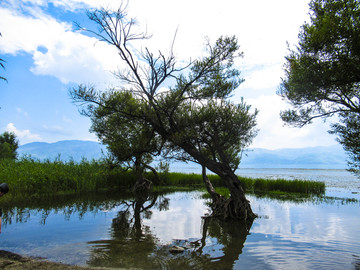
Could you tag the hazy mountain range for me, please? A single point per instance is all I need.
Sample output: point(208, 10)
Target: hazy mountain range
point(332, 157)
point(65, 150)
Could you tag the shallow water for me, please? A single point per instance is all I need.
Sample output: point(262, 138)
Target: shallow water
point(332, 178)
point(115, 231)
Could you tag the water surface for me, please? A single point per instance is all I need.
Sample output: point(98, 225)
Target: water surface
point(117, 231)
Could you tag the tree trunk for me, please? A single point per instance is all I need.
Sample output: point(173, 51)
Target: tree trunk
point(217, 199)
point(156, 176)
point(237, 206)
point(142, 186)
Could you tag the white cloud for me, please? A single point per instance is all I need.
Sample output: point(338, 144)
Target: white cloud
point(263, 77)
point(262, 28)
point(274, 134)
point(24, 136)
point(56, 49)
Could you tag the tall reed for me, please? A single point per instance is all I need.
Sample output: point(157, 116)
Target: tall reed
point(249, 184)
point(29, 176)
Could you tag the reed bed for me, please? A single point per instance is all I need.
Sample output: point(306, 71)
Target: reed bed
point(249, 184)
point(28, 176)
point(296, 186)
point(32, 177)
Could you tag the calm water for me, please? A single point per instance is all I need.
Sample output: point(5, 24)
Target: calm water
point(116, 231)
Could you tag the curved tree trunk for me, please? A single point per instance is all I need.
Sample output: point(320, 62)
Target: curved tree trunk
point(156, 175)
point(142, 186)
point(217, 199)
point(237, 206)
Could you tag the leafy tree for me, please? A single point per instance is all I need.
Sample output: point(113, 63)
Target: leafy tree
point(2, 65)
point(194, 118)
point(323, 73)
point(349, 136)
point(8, 145)
point(132, 144)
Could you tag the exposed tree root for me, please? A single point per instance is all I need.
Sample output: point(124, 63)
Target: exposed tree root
point(142, 187)
point(232, 208)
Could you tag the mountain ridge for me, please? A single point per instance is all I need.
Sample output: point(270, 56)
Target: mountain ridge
point(65, 150)
point(321, 157)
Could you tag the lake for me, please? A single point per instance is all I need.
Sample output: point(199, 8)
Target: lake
point(114, 230)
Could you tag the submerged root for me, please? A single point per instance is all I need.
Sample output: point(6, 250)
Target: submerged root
point(232, 209)
point(142, 188)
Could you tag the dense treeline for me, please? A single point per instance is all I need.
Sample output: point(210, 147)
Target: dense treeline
point(27, 177)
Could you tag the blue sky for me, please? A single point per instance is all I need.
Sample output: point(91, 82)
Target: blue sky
point(46, 55)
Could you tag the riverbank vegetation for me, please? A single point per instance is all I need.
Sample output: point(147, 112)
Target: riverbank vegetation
point(31, 177)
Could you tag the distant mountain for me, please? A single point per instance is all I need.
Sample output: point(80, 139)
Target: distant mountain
point(65, 150)
point(332, 157)
point(329, 157)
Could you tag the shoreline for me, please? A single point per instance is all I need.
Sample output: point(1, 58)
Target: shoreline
point(13, 261)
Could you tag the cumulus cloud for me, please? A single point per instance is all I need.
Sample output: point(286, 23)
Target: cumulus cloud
point(262, 28)
point(57, 49)
point(262, 77)
point(274, 134)
point(24, 136)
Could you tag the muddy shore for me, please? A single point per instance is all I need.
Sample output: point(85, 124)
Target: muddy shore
point(12, 261)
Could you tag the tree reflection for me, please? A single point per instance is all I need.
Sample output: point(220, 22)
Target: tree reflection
point(133, 245)
point(21, 210)
point(228, 238)
point(131, 242)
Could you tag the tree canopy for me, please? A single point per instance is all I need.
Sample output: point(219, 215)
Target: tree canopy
point(323, 72)
point(8, 145)
point(192, 120)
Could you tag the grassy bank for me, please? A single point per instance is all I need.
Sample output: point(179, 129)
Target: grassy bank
point(251, 184)
point(31, 177)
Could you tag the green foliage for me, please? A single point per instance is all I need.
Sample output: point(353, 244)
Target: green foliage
point(8, 145)
point(29, 177)
point(297, 186)
point(349, 136)
point(323, 73)
point(32, 177)
point(249, 184)
point(192, 120)
point(129, 142)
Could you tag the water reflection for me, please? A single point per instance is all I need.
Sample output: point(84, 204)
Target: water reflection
point(20, 211)
point(133, 245)
point(130, 242)
point(119, 231)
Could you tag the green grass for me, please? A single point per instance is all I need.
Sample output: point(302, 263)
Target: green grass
point(295, 186)
point(31, 177)
point(184, 179)
point(250, 184)
point(28, 177)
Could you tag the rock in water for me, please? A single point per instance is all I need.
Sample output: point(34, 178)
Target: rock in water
point(176, 249)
